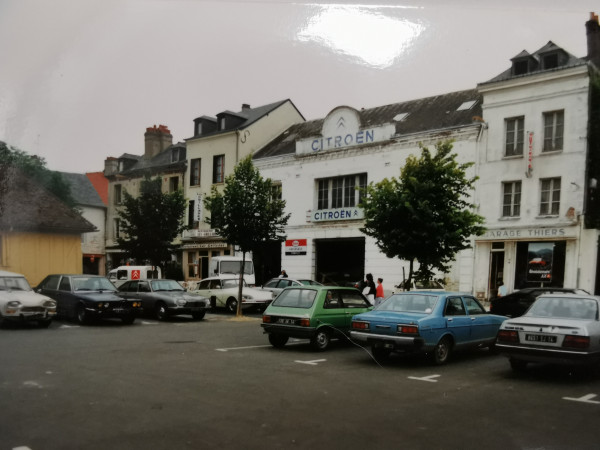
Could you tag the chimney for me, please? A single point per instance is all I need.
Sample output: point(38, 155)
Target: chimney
point(156, 139)
point(111, 166)
point(245, 106)
point(592, 31)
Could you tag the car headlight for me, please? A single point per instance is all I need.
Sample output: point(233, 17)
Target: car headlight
point(13, 307)
point(49, 304)
point(180, 302)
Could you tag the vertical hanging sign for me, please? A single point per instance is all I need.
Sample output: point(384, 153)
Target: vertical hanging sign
point(530, 154)
point(198, 209)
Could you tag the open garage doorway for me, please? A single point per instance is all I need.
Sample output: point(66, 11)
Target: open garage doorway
point(340, 261)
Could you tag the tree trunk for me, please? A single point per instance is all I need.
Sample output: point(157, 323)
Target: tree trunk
point(408, 284)
point(238, 313)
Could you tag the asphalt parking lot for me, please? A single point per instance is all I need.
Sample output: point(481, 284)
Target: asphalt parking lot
point(217, 383)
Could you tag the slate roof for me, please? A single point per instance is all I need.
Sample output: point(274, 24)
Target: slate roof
point(250, 115)
point(427, 114)
point(161, 162)
point(83, 191)
point(572, 61)
point(26, 206)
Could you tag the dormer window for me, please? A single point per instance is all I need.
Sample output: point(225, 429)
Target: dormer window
point(222, 123)
point(176, 154)
point(520, 67)
point(198, 128)
point(550, 61)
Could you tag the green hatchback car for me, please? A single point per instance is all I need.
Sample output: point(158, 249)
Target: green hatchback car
point(318, 313)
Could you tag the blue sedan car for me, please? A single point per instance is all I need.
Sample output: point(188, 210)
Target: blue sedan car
point(436, 323)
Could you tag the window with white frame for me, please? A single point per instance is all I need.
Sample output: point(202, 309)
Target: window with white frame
point(515, 132)
point(118, 192)
point(553, 130)
point(340, 192)
point(218, 168)
point(511, 199)
point(117, 228)
point(195, 165)
point(550, 196)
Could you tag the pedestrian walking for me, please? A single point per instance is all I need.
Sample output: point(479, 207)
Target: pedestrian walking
point(370, 290)
point(283, 274)
point(379, 295)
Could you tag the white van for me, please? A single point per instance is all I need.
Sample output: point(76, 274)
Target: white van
point(122, 274)
point(225, 266)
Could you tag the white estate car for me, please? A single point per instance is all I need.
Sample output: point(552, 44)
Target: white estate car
point(18, 302)
point(224, 292)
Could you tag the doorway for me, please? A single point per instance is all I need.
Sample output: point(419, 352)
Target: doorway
point(340, 262)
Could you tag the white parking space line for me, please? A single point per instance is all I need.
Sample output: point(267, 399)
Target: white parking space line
point(585, 399)
point(240, 348)
point(69, 326)
point(314, 362)
point(429, 378)
point(143, 322)
point(21, 448)
point(254, 346)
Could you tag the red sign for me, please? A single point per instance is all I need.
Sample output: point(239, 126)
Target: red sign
point(295, 247)
point(135, 274)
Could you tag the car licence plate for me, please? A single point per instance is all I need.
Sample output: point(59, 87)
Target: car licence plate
point(540, 338)
point(286, 321)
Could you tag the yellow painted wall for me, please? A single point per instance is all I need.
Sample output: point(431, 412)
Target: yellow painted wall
point(36, 255)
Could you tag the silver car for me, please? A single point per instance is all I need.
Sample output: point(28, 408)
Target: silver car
point(18, 302)
point(276, 285)
point(557, 329)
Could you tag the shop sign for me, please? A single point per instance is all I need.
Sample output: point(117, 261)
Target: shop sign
point(539, 261)
point(323, 215)
point(205, 245)
point(341, 129)
point(529, 233)
point(295, 247)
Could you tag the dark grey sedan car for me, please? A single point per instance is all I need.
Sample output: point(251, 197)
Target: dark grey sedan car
point(88, 297)
point(164, 298)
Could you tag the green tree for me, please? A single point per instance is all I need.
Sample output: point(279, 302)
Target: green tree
point(425, 215)
point(35, 167)
point(150, 222)
point(246, 214)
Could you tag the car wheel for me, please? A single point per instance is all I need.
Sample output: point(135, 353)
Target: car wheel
point(82, 315)
point(278, 340)
point(442, 351)
point(321, 340)
point(518, 365)
point(44, 323)
point(380, 353)
point(128, 320)
point(232, 305)
point(161, 311)
point(198, 315)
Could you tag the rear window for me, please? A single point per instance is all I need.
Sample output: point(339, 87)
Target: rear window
point(296, 298)
point(566, 308)
point(409, 303)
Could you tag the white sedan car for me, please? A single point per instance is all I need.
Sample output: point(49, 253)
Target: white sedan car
point(276, 285)
point(557, 329)
point(223, 292)
point(19, 303)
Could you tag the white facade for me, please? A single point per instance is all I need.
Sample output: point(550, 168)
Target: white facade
point(375, 151)
point(532, 97)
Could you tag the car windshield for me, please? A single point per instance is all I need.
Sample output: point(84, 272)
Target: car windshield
point(14, 284)
point(166, 285)
point(232, 283)
point(296, 298)
point(564, 307)
point(92, 284)
point(418, 303)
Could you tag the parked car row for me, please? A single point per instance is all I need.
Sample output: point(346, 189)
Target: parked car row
point(559, 328)
point(85, 298)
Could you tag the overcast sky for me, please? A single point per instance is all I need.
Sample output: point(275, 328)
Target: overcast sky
point(80, 80)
